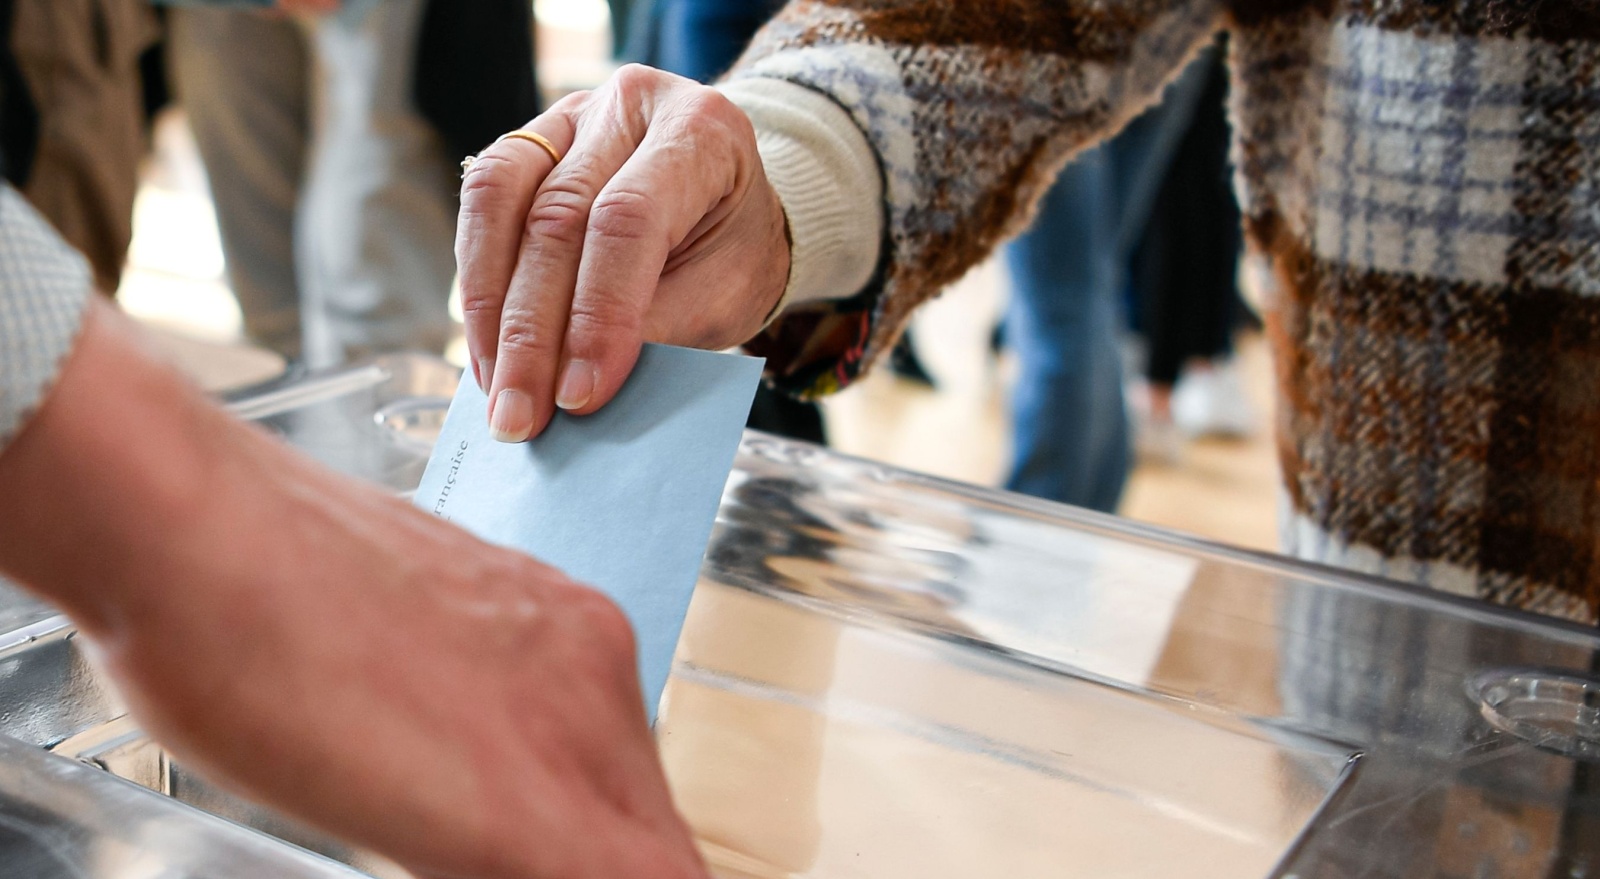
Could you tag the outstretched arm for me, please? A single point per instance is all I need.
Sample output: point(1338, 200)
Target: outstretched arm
point(970, 108)
point(315, 643)
point(861, 157)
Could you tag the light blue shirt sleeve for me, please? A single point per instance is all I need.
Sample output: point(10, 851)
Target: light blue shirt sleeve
point(45, 289)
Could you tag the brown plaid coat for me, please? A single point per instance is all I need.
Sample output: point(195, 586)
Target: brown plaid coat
point(1422, 174)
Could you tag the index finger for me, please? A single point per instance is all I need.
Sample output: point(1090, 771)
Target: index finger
point(497, 191)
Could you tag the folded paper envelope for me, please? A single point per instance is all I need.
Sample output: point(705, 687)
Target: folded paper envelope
point(622, 500)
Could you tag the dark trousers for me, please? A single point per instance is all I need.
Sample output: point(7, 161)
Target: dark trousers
point(1185, 267)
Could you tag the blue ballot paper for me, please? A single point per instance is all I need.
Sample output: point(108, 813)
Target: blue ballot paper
point(622, 500)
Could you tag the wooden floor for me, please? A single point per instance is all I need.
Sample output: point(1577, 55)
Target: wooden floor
point(1225, 489)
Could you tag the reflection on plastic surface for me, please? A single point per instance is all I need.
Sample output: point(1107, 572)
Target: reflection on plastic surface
point(890, 756)
point(1558, 712)
point(369, 421)
point(18, 611)
point(48, 691)
point(60, 818)
point(886, 675)
point(1145, 703)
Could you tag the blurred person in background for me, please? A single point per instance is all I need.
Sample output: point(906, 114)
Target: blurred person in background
point(73, 118)
point(1065, 319)
point(331, 132)
point(1184, 292)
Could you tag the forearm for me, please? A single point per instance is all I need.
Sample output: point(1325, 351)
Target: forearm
point(110, 478)
point(224, 577)
point(137, 503)
point(970, 109)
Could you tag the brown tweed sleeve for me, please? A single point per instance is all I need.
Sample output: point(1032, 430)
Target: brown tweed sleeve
point(971, 106)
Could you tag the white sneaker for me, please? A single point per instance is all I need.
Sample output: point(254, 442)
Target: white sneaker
point(1212, 402)
point(1159, 442)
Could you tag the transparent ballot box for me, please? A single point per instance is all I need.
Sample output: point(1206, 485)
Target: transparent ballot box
point(885, 675)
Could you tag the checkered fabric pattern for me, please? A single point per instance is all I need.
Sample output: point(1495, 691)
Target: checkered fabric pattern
point(1421, 173)
point(44, 288)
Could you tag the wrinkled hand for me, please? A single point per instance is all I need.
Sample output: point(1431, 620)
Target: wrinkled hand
point(657, 225)
point(328, 649)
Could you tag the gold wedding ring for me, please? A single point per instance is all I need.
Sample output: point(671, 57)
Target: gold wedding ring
point(523, 134)
point(535, 137)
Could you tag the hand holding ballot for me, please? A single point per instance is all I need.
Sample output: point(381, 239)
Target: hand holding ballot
point(658, 225)
point(325, 647)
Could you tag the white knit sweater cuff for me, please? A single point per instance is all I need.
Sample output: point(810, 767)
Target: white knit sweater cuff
point(826, 176)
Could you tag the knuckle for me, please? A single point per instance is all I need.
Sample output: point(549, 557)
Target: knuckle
point(737, 123)
point(625, 214)
point(626, 91)
point(713, 126)
point(521, 334)
point(635, 93)
point(523, 569)
point(558, 216)
point(634, 80)
point(489, 178)
point(707, 103)
point(607, 625)
point(479, 304)
point(603, 313)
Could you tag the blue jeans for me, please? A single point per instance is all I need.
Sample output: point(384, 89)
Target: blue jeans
point(1064, 320)
point(699, 39)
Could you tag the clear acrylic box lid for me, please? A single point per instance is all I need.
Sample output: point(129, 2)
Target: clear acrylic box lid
point(887, 675)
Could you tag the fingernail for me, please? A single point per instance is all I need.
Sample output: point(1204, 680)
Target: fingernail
point(512, 420)
point(577, 385)
point(485, 373)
